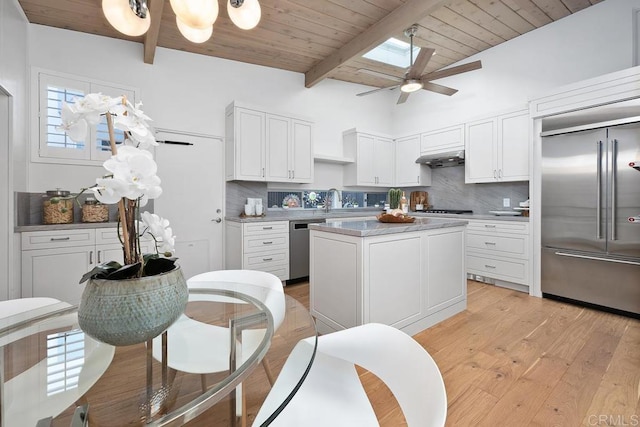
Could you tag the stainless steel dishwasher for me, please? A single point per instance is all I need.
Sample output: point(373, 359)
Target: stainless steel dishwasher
point(299, 247)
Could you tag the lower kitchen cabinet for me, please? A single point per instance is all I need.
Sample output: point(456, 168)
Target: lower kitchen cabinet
point(54, 261)
point(407, 280)
point(499, 250)
point(262, 246)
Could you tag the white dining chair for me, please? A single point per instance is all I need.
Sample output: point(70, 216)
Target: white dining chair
point(13, 307)
point(332, 394)
point(200, 348)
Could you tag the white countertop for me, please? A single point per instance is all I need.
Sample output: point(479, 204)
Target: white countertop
point(376, 228)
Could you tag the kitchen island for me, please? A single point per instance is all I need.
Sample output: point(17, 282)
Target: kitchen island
point(408, 275)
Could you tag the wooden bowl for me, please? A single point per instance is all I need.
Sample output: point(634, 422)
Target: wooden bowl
point(384, 217)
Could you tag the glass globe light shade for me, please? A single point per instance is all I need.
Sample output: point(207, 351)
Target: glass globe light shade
point(122, 17)
point(247, 15)
point(194, 35)
point(198, 14)
point(411, 85)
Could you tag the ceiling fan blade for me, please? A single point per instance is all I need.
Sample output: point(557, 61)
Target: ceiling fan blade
point(377, 90)
point(475, 65)
point(444, 90)
point(403, 97)
point(420, 63)
point(379, 74)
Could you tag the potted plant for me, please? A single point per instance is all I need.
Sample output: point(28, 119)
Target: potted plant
point(133, 302)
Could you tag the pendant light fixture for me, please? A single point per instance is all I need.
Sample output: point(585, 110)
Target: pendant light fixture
point(130, 17)
point(411, 85)
point(244, 13)
point(194, 35)
point(194, 18)
point(198, 14)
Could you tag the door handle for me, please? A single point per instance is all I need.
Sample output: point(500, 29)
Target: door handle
point(614, 179)
point(218, 220)
point(618, 261)
point(598, 190)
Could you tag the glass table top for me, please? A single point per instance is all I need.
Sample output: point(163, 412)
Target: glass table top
point(49, 367)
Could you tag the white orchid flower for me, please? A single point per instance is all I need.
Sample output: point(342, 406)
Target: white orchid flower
point(94, 105)
point(159, 228)
point(73, 124)
point(137, 168)
point(109, 190)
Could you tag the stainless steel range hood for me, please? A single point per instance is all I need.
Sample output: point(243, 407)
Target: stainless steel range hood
point(441, 160)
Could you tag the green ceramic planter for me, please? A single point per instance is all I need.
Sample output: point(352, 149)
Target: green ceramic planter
point(132, 311)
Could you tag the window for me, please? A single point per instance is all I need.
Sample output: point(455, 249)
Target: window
point(65, 358)
point(53, 144)
point(393, 52)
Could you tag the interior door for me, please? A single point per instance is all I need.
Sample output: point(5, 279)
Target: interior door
point(191, 168)
point(624, 235)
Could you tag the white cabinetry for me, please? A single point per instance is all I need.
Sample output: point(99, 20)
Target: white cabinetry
point(54, 261)
point(374, 159)
point(289, 150)
point(260, 246)
point(409, 280)
point(261, 146)
point(408, 172)
point(442, 140)
point(497, 148)
point(499, 250)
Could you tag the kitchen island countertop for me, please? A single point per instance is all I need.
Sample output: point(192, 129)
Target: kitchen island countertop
point(376, 228)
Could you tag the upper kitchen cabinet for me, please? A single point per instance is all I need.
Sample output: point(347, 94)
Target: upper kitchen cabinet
point(442, 140)
point(497, 148)
point(408, 172)
point(262, 146)
point(374, 159)
point(289, 149)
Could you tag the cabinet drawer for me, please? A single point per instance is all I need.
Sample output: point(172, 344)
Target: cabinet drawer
point(258, 261)
point(511, 270)
point(499, 227)
point(515, 246)
point(57, 239)
point(107, 236)
point(260, 243)
point(266, 227)
point(280, 271)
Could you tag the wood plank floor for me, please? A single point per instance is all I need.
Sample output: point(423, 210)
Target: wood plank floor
point(515, 360)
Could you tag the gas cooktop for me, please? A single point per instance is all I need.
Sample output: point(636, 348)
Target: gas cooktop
point(448, 211)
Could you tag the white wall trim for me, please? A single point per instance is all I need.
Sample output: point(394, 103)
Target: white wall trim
point(6, 182)
point(635, 43)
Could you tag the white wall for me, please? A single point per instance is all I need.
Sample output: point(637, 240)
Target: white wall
point(189, 92)
point(595, 41)
point(13, 120)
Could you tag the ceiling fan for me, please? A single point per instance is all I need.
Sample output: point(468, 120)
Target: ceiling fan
point(413, 79)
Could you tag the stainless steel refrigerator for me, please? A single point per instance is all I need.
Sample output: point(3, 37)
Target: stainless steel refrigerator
point(590, 215)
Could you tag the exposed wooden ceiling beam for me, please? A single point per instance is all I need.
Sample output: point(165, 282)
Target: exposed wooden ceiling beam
point(151, 37)
point(402, 17)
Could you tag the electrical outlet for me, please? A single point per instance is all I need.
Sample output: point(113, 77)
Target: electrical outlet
point(506, 202)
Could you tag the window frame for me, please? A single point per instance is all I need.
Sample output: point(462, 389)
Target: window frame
point(41, 151)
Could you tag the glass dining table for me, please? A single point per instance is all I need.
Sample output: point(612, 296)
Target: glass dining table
point(205, 371)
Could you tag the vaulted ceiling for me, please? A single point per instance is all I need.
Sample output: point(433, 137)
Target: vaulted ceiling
point(326, 38)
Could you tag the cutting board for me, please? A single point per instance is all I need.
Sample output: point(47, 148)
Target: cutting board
point(417, 197)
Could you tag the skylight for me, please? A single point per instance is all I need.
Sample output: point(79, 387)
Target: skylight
point(393, 52)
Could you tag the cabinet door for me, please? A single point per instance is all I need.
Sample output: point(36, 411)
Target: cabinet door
point(481, 147)
point(365, 160)
point(278, 130)
point(249, 145)
point(56, 272)
point(302, 151)
point(513, 152)
point(106, 253)
point(408, 172)
point(446, 139)
point(384, 162)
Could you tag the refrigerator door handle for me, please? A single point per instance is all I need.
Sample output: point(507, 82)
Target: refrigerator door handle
point(599, 191)
point(619, 261)
point(614, 178)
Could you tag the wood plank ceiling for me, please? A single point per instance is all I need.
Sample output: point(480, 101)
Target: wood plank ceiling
point(326, 38)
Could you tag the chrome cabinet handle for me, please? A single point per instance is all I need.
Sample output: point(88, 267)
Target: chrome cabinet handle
point(99, 260)
point(598, 190)
point(489, 226)
point(495, 174)
point(263, 172)
point(499, 173)
point(59, 239)
point(614, 180)
point(267, 243)
point(490, 243)
point(418, 179)
point(267, 259)
point(267, 228)
point(489, 266)
point(90, 257)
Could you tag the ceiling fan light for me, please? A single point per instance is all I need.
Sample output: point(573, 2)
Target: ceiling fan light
point(244, 13)
point(411, 85)
point(122, 17)
point(198, 14)
point(194, 35)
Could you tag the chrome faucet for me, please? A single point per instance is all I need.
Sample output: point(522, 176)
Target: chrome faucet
point(328, 199)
